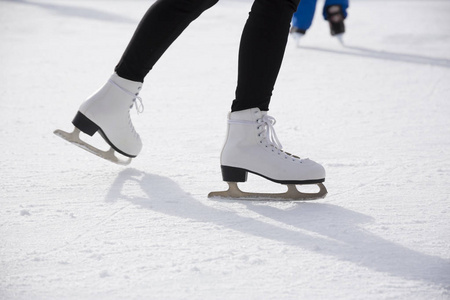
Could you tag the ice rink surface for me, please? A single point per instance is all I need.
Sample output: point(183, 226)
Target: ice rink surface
point(374, 111)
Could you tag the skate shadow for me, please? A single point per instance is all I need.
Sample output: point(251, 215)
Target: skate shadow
point(356, 245)
point(78, 11)
point(336, 231)
point(384, 55)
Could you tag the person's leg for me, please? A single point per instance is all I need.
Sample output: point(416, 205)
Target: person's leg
point(261, 52)
point(304, 15)
point(335, 12)
point(164, 21)
point(251, 144)
point(107, 110)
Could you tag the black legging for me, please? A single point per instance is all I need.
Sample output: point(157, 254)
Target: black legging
point(261, 50)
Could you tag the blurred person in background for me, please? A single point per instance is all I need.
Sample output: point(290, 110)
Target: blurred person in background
point(334, 11)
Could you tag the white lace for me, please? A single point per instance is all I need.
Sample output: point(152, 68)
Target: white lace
point(136, 99)
point(268, 133)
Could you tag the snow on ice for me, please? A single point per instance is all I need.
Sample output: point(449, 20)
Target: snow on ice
point(375, 111)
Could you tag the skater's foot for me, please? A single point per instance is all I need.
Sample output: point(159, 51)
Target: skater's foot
point(252, 146)
point(108, 112)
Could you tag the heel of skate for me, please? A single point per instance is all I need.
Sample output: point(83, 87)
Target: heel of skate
point(292, 194)
point(232, 174)
point(74, 138)
point(84, 124)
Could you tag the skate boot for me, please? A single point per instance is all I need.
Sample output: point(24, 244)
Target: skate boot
point(108, 112)
point(297, 34)
point(335, 18)
point(252, 146)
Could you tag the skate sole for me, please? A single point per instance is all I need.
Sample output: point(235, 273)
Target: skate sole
point(233, 175)
point(87, 126)
point(292, 194)
point(74, 138)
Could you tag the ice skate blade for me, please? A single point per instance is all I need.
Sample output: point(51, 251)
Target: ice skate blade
point(292, 194)
point(74, 138)
point(340, 38)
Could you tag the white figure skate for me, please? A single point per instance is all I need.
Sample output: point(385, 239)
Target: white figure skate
point(252, 146)
point(108, 112)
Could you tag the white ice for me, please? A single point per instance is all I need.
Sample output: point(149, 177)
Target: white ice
point(374, 111)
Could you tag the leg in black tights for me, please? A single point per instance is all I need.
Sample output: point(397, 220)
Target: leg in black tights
point(164, 21)
point(261, 50)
